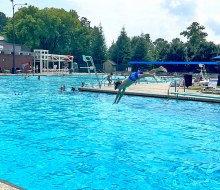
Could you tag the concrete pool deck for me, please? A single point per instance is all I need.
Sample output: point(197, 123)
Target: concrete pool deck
point(158, 90)
point(4, 185)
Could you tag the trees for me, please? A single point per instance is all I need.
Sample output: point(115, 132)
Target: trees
point(58, 28)
point(112, 52)
point(206, 51)
point(142, 49)
point(49, 28)
point(99, 48)
point(3, 21)
point(198, 49)
point(58, 31)
point(26, 29)
point(195, 36)
point(161, 49)
point(139, 48)
point(63, 32)
point(177, 51)
point(121, 53)
point(194, 33)
point(81, 41)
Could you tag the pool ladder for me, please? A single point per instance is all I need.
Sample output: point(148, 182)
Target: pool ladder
point(176, 87)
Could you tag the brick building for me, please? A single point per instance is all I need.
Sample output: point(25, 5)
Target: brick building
point(6, 61)
point(22, 56)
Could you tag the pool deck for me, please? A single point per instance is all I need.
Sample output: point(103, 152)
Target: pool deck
point(158, 90)
point(4, 185)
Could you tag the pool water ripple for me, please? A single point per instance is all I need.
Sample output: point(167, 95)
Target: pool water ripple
point(81, 141)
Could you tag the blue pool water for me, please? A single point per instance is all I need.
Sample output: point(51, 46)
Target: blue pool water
point(53, 141)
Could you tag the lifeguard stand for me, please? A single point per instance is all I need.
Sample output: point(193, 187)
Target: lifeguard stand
point(91, 67)
point(203, 73)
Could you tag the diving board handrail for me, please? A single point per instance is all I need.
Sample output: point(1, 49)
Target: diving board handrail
point(181, 83)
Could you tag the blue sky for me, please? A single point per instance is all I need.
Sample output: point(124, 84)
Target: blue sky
point(159, 18)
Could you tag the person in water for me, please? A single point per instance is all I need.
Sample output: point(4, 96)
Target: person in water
point(122, 85)
point(73, 89)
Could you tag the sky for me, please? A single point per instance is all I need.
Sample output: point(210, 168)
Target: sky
point(159, 18)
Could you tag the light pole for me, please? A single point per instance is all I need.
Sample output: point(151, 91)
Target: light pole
point(13, 31)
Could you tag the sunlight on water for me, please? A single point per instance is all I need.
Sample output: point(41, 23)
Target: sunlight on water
point(79, 140)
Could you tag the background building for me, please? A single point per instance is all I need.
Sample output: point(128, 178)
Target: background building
point(22, 56)
point(109, 66)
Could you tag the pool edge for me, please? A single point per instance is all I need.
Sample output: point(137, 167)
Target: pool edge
point(152, 95)
point(5, 185)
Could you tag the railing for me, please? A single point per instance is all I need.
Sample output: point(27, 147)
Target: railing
point(176, 86)
point(55, 71)
point(197, 96)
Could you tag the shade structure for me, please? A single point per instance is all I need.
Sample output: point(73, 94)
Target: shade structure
point(170, 63)
point(216, 57)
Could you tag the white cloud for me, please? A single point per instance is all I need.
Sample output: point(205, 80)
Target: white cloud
point(182, 9)
point(208, 16)
point(214, 25)
point(159, 18)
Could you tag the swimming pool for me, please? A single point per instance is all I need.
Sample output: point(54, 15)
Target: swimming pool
point(51, 140)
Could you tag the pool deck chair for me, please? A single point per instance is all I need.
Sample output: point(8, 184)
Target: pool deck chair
point(212, 86)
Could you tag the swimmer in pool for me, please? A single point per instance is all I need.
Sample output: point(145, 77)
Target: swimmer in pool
point(121, 86)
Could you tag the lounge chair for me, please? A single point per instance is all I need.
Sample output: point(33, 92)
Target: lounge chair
point(212, 86)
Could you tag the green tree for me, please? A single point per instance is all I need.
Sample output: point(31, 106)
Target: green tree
point(81, 42)
point(49, 28)
point(58, 28)
point(206, 51)
point(142, 48)
point(85, 22)
point(177, 51)
point(99, 48)
point(122, 51)
point(151, 49)
point(112, 52)
point(139, 48)
point(195, 35)
point(162, 48)
point(26, 27)
point(3, 21)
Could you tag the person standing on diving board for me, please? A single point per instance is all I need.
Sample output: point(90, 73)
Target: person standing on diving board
point(121, 86)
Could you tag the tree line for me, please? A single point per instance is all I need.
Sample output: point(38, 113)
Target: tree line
point(65, 32)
